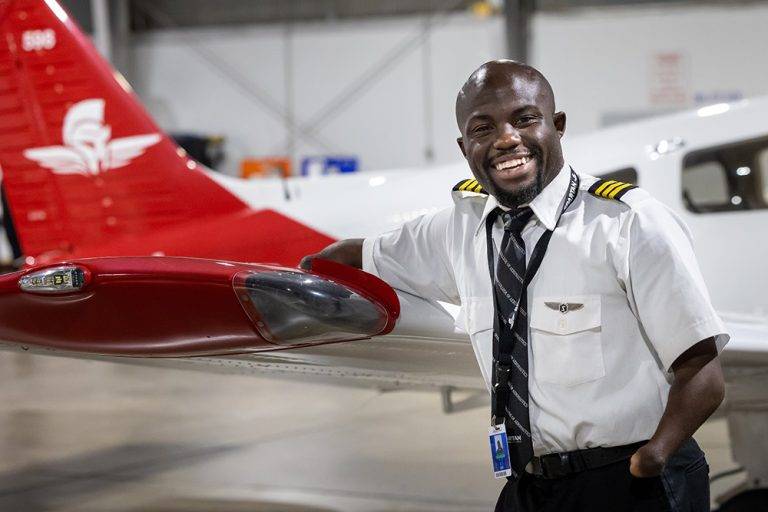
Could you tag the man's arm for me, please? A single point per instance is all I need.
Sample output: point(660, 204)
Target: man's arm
point(668, 294)
point(349, 252)
point(698, 389)
point(414, 258)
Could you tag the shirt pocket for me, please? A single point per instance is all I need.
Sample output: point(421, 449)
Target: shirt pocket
point(566, 339)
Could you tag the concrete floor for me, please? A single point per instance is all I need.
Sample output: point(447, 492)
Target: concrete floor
point(91, 436)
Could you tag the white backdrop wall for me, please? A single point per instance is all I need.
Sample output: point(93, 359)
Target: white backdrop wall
point(621, 63)
point(606, 66)
point(178, 75)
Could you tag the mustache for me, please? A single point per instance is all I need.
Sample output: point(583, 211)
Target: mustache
point(535, 153)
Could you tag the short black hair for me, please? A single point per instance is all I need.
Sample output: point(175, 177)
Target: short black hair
point(497, 73)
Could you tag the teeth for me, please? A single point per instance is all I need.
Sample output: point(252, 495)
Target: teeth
point(510, 164)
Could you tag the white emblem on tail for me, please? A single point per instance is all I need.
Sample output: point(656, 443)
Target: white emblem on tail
point(87, 148)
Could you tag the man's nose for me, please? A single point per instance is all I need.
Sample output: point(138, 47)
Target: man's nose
point(508, 138)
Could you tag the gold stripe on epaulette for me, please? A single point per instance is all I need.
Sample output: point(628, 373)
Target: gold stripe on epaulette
point(469, 185)
point(610, 189)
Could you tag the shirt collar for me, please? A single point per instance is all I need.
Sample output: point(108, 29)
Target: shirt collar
point(546, 206)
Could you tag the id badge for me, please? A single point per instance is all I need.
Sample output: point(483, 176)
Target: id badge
point(497, 436)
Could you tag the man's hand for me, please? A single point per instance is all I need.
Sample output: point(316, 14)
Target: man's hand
point(696, 392)
point(349, 252)
point(648, 461)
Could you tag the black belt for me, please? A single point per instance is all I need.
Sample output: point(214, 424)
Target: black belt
point(556, 465)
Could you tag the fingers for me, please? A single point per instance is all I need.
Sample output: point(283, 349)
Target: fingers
point(641, 465)
point(306, 262)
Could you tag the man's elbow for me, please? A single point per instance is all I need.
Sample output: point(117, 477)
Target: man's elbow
point(711, 387)
point(699, 369)
point(717, 385)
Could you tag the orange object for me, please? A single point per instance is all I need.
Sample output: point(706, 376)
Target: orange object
point(265, 167)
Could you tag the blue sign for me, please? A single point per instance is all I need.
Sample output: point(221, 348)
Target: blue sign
point(717, 96)
point(324, 165)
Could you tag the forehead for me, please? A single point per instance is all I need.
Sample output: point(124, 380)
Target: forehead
point(508, 92)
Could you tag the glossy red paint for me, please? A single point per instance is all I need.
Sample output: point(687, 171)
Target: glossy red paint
point(90, 198)
point(147, 306)
point(157, 201)
point(248, 235)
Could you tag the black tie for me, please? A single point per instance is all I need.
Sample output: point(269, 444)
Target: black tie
point(510, 344)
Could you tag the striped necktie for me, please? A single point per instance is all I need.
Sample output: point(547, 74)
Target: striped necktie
point(510, 341)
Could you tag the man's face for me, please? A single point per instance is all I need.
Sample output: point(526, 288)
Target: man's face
point(511, 137)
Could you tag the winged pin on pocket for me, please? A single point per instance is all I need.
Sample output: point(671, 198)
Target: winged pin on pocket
point(566, 339)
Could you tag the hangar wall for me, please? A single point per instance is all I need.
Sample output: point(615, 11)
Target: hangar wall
point(607, 66)
point(385, 121)
point(617, 64)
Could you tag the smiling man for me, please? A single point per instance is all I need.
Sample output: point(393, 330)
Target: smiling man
point(585, 307)
point(515, 176)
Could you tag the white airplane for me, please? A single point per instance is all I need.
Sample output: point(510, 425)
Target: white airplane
point(87, 173)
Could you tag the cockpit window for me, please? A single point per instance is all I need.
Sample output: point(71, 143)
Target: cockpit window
point(707, 183)
point(726, 178)
point(762, 164)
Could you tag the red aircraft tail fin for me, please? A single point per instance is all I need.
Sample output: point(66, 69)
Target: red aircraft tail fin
point(82, 161)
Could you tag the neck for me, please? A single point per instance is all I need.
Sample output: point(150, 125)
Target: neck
point(552, 173)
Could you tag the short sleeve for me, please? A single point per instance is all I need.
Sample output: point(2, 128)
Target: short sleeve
point(414, 258)
point(666, 286)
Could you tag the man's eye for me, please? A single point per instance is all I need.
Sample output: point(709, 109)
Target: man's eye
point(481, 129)
point(526, 119)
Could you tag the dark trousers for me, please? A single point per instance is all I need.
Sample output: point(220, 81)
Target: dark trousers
point(682, 487)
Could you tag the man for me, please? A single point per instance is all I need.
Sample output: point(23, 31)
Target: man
point(584, 304)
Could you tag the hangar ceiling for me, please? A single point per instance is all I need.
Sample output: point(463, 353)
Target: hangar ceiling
point(200, 12)
point(155, 14)
point(223, 12)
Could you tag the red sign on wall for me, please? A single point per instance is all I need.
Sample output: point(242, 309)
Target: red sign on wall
point(668, 77)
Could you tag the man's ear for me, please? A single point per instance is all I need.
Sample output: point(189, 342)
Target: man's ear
point(460, 142)
point(559, 120)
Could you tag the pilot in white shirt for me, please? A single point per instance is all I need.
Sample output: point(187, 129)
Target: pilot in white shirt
point(627, 265)
point(601, 363)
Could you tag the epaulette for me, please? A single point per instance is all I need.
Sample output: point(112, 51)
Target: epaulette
point(469, 185)
point(611, 189)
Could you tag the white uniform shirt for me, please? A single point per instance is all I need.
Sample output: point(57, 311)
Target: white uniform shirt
point(598, 374)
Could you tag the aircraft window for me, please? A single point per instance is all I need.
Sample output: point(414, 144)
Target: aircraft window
point(727, 178)
point(628, 175)
point(762, 164)
point(705, 183)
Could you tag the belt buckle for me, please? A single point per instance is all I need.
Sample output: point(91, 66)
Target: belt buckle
point(556, 465)
point(536, 467)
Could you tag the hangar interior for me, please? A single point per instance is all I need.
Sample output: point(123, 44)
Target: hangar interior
point(316, 87)
point(296, 79)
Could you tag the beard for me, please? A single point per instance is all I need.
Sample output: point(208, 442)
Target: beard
point(520, 196)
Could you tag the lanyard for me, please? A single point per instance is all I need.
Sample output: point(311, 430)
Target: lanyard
point(541, 246)
point(536, 257)
point(501, 351)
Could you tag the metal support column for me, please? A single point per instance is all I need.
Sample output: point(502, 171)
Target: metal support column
point(102, 35)
point(427, 91)
point(288, 83)
point(517, 16)
point(121, 49)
